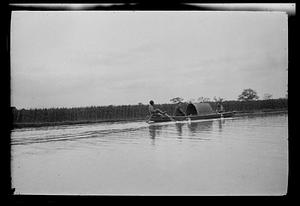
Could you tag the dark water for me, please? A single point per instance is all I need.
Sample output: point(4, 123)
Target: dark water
point(246, 155)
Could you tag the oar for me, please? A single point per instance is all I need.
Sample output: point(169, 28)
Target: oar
point(149, 118)
point(171, 118)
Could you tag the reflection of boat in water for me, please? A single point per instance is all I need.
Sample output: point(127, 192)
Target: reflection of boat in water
point(179, 128)
point(196, 127)
point(194, 111)
point(154, 130)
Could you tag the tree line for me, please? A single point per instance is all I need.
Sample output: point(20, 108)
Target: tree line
point(128, 112)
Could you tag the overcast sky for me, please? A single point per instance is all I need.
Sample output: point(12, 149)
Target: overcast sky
point(84, 58)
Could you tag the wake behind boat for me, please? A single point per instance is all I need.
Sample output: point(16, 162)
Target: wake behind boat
point(194, 111)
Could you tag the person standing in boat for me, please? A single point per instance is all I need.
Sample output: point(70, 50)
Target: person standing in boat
point(178, 110)
point(220, 108)
point(154, 111)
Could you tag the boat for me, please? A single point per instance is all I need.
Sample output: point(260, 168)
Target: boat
point(194, 111)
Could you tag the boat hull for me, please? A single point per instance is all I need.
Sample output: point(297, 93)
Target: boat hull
point(192, 117)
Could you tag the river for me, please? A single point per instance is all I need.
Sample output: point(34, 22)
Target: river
point(236, 156)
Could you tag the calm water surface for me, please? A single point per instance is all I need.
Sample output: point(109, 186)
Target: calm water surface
point(245, 155)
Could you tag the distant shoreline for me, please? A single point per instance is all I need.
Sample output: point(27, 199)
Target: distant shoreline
point(53, 124)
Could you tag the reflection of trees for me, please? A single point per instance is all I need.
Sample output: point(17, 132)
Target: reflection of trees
point(196, 127)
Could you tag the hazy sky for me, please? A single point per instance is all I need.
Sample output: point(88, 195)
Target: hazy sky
point(84, 58)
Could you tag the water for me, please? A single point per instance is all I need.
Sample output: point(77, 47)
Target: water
point(238, 156)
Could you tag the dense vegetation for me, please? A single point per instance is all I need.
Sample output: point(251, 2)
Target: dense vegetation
point(127, 112)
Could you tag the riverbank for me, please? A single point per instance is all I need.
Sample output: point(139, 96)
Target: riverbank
point(52, 124)
point(259, 112)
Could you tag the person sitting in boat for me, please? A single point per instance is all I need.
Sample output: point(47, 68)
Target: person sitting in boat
point(220, 108)
point(178, 110)
point(153, 111)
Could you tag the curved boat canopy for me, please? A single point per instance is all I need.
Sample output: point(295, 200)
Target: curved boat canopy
point(198, 109)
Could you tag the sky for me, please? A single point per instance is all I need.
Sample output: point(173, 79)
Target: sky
point(96, 58)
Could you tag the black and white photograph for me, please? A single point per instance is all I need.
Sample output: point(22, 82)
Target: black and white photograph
point(151, 103)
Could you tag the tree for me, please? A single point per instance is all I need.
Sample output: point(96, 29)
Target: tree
point(267, 96)
point(248, 95)
point(218, 99)
point(203, 99)
point(191, 100)
point(176, 99)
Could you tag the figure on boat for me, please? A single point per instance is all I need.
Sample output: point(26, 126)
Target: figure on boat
point(157, 113)
point(220, 108)
point(153, 111)
point(178, 110)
